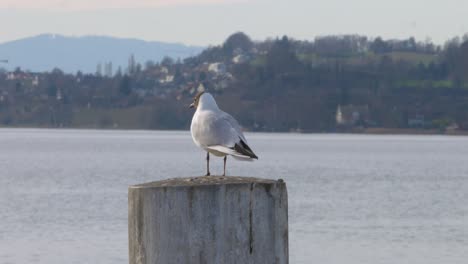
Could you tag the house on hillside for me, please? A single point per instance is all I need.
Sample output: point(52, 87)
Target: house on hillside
point(239, 59)
point(166, 79)
point(352, 115)
point(217, 68)
point(163, 70)
point(240, 56)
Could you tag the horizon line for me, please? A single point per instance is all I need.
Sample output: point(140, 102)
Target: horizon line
point(77, 36)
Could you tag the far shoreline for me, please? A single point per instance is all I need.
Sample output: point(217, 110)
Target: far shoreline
point(350, 131)
point(412, 131)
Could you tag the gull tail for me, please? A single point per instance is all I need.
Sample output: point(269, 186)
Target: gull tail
point(235, 153)
point(244, 149)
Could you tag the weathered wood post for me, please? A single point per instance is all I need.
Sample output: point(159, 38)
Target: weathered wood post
point(208, 220)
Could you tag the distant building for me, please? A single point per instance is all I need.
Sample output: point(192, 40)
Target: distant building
point(452, 127)
point(339, 116)
point(11, 76)
point(351, 115)
point(164, 70)
point(166, 79)
point(416, 121)
point(240, 59)
point(35, 81)
point(19, 75)
point(218, 68)
point(58, 95)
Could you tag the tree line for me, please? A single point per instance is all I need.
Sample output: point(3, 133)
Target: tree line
point(279, 84)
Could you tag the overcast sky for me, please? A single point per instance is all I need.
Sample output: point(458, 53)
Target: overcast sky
point(209, 22)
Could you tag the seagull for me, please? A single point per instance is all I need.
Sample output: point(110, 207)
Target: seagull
point(217, 132)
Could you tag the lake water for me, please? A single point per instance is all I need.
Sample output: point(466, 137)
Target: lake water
point(353, 199)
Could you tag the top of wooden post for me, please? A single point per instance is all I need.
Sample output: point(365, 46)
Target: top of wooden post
point(206, 180)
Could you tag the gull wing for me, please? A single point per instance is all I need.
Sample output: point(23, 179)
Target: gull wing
point(229, 151)
point(240, 146)
point(217, 129)
point(234, 124)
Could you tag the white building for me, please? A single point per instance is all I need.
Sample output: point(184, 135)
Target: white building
point(217, 67)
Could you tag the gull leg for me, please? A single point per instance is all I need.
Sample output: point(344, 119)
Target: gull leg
point(225, 158)
point(207, 164)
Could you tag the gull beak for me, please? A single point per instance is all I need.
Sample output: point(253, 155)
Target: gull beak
point(192, 105)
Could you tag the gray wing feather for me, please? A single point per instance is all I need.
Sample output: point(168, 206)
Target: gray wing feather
point(211, 128)
point(220, 130)
point(235, 125)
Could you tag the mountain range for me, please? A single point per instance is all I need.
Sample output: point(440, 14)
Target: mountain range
point(71, 54)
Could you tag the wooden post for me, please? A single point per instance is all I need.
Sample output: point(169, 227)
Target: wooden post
point(208, 220)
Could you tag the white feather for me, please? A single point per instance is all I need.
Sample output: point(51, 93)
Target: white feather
point(216, 131)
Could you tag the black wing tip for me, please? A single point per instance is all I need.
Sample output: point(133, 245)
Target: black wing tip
point(244, 149)
point(251, 155)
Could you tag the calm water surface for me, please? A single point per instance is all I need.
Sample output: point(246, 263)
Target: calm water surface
point(353, 199)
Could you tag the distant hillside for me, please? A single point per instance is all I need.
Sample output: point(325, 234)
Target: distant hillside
point(347, 83)
point(70, 54)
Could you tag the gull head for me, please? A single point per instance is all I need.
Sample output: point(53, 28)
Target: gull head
point(204, 100)
point(196, 100)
